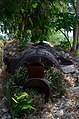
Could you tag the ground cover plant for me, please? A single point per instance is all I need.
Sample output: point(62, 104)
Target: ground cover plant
point(55, 78)
point(21, 104)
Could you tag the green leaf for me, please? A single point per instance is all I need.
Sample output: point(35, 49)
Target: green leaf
point(23, 95)
point(30, 101)
point(34, 5)
point(14, 100)
point(25, 107)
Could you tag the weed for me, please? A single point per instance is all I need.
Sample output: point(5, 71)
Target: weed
point(21, 104)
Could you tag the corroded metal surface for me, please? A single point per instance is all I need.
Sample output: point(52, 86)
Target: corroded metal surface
point(32, 55)
point(35, 71)
point(40, 84)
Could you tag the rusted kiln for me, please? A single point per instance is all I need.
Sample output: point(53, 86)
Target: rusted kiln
point(36, 59)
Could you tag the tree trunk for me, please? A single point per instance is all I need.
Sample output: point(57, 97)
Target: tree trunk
point(23, 24)
point(76, 29)
point(75, 37)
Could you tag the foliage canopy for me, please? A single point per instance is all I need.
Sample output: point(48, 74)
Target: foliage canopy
point(36, 16)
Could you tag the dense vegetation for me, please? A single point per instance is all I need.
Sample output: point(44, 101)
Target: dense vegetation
point(21, 102)
point(33, 20)
point(29, 21)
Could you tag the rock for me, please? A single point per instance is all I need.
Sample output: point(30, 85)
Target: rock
point(5, 53)
point(77, 71)
point(10, 45)
point(32, 117)
point(13, 53)
point(4, 99)
point(66, 55)
point(78, 77)
point(71, 58)
point(50, 106)
point(63, 97)
point(10, 53)
point(73, 92)
point(15, 44)
point(14, 49)
point(67, 116)
point(17, 118)
point(68, 69)
point(49, 116)
point(4, 117)
point(4, 110)
point(61, 112)
point(62, 53)
point(8, 116)
point(77, 104)
point(74, 75)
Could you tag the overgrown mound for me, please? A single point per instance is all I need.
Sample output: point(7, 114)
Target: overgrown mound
point(25, 103)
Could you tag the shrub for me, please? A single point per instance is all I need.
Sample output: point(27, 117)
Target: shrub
point(20, 76)
point(17, 100)
point(65, 45)
point(54, 76)
point(21, 104)
point(15, 83)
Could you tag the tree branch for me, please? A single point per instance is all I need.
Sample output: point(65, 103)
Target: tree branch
point(65, 37)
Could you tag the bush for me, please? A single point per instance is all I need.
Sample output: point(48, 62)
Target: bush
point(26, 38)
point(54, 76)
point(20, 76)
point(21, 104)
point(64, 45)
point(18, 101)
point(15, 83)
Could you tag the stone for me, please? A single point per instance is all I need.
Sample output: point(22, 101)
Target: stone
point(50, 106)
point(61, 112)
point(8, 116)
point(73, 92)
point(63, 97)
point(10, 53)
point(32, 117)
point(74, 89)
point(17, 118)
point(14, 49)
point(4, 117)
point(74, 75)
point(70, 57)
point(77, 71)
point(66, 55)
point(4, 110)
point(77, 103)
point(4, 99)
point(49, 116)
point(5, 53)
point(67, 116)
point(68, 69)
point(13, 54)
point(57, 54)
point(62, 53)
point(10, 45)
point(15, 44)
point(78, 77)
